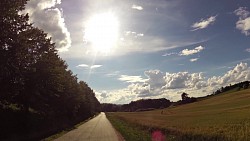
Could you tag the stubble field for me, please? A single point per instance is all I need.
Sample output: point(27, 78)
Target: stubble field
point(221, 117)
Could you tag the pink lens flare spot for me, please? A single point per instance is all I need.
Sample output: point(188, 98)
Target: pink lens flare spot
point(158, 136)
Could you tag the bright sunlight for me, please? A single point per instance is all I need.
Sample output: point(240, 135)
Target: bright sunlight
point(102, 32)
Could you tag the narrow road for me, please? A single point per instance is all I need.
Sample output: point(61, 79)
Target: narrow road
point(97, 129)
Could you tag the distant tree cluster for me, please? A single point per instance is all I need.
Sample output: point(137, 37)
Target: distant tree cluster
point(238, 86)
point(186, 99)
point(139, 105)
point(34, 80)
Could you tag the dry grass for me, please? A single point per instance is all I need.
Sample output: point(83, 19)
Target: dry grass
point(222, 117)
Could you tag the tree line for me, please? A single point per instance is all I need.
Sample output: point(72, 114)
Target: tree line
point(39, 95)
point(138, 105)
point(238, 86)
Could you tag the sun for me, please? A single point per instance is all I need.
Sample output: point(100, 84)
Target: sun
point(101, 31)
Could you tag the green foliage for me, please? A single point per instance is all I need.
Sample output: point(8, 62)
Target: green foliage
point(130, 132)
point(36, 80)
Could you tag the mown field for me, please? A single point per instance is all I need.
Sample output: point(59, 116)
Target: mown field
point(221, 117)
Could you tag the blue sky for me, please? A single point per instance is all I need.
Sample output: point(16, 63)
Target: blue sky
point(132, 49)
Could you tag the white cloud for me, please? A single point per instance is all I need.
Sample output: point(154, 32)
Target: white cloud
point(155, 78)
point(148, 45)
point(243, 24)
point(203, 23)
point(131, 79)
point(120, 96)
point(89, 66)
point(140, 34)
point(182, 80)
point(241, 72)
point(242, 12)
point(137, 7)
point(193, 59)
point(130, 34)
point(44, 15)
point(168, 54)
point(95, 66)
point(171, 85)
point(248, 49)
point(130, 44)
point(83, 65)
point(187, 52)
point(141, 90)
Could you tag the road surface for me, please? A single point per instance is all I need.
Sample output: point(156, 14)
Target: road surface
point(97, 129)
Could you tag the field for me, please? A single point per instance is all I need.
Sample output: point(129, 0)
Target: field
point(221, 117)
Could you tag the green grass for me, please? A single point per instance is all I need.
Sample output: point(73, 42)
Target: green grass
point(129, 131)
point(222, 117)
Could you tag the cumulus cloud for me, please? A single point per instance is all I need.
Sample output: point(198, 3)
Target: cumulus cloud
point(141, 90)
point(203, 23)
point(193, 59)
point(182, 80)
point(187, 52)
point(171, 85)
point(89, 66)
point(248, 50)
point(155, 78)
point(241, 72)
point(120, 96)
point(159, 83)
point(242, 12)
point(131, 79)
point(44, 15)
point(137, 7)
point(243, 24)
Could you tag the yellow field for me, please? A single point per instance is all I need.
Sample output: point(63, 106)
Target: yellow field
point(225, 116)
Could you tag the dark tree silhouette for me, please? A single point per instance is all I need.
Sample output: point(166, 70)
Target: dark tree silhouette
point(139, 105)
point(184, 96)
point(36, 86)
point(186, 99)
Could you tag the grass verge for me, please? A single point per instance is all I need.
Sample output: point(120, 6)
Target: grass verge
point(129, 132)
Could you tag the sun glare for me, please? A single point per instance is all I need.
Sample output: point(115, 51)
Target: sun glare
point(102, 32)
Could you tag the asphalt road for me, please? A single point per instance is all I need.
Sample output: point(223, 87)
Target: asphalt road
point(97, 129)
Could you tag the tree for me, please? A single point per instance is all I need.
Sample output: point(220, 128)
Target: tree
point(32, 75)
point(35, 79)
point(246, 84)
point(184, 96)
point(11, 26)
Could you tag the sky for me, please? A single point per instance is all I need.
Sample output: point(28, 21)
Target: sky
point(138, 49)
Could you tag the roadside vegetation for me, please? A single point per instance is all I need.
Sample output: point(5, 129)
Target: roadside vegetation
point(220, 117)
point(39, 95)
point(130, 132)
